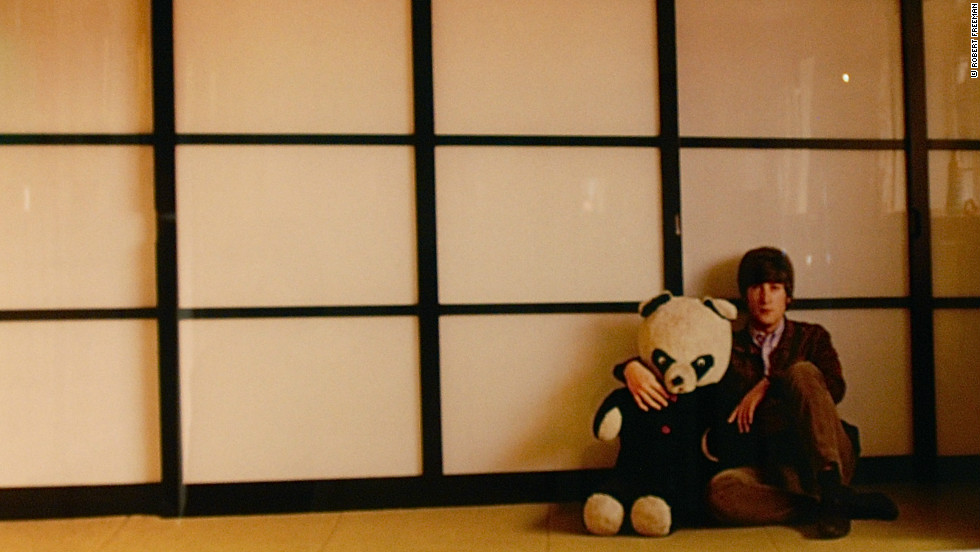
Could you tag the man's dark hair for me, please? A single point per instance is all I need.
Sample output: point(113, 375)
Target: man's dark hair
point(765, 264)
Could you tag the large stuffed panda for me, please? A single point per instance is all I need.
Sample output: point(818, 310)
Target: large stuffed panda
point(660, 471)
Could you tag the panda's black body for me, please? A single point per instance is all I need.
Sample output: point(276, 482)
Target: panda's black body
point(660, 453)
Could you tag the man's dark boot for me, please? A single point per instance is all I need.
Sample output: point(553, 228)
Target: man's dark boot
point(832, 519)
point(871, 506)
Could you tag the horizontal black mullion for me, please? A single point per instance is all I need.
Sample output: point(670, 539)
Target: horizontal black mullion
point(852, 303)
point(956, 303)
point(77, 314)
point(220, 499)
point(296, 139)
point(457, 490)
point(953, 144)
point(792, 143)
point(549, 140)
point(448, 309)
point(72, 502)
point(631, 307)
point(841, 303)
point(76, 139)
point(298, 312)
point(402, 492)
point(540, 308)
point(479, 140)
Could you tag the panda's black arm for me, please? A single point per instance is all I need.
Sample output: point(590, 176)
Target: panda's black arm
point(619, 371)
point(620, 398)
point(708, 413)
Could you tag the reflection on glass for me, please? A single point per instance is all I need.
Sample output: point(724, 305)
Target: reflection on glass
point(954, 194)
point(952, 94)
point(807, 68)
point(839, 214)
point(75, 66)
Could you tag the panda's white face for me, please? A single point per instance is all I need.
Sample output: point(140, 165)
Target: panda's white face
point(688, 342)
point(681, 377)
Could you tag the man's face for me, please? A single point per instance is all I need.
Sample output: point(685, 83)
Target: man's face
point(767, 305)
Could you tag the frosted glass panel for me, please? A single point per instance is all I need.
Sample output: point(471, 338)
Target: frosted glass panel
point(79, 66)
point(548, 224)
point(296, 225)
point(954, 196)
point(807, 68)
point(79, 403)
point(839, 214)
point(293, 66)
point(545, 67)
point(952, 91)
point(300, 399)
point(78, 227)
point(957, 334)
point(519, 392)
point(875, 351)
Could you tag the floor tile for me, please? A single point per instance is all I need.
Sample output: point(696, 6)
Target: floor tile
point(475, 529)
point(568, 534)
point(67, 535)
point(293, 533)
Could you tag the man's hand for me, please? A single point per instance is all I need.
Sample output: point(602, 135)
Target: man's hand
point(744, 413)
point(644, 386)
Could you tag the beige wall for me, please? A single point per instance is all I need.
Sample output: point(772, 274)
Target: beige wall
point(270, 399)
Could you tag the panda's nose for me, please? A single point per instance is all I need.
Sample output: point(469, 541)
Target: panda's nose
point(677, 381)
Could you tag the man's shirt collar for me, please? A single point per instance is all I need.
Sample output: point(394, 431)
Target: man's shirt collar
point(767, 342)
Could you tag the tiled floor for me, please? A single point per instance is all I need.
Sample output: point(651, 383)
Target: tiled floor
point(947, 518)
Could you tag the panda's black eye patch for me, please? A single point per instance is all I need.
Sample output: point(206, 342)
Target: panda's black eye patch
point(662, 360)
point(702, 364)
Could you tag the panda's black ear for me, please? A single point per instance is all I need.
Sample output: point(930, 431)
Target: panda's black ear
point(646, 309)
point(722, 308)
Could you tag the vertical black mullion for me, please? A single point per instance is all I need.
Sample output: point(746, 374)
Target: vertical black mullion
point(920, 248)
point(670, 146)
point(173, 496)
point(425, 205)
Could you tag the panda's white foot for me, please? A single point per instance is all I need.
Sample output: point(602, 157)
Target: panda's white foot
point(603, 515)
point(651, 516)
